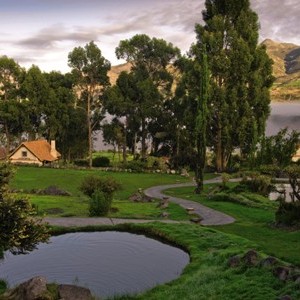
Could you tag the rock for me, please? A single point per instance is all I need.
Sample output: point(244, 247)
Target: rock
point(234, 261)
point(250, 258)
point(33, 289)
point(268, 262)
point(285, 297)
point(164, 203)
point(173, 172)
point(164, 215)
point(282, 273)
point(196, 220)
point(73, 292)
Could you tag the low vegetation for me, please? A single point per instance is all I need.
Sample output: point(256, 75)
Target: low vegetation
point(255, 218)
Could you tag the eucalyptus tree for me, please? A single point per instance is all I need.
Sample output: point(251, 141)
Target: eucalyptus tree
point(11, 75)
point(39, 98)
point(151, 76)
point(90, 69)
point(241, 75)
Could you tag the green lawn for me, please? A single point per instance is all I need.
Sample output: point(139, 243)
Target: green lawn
point(28, 178)
point(254, 224)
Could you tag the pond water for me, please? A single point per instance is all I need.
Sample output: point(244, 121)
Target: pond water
point(108, 263)
point(281, 187)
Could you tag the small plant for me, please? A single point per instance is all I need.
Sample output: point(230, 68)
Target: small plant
point(100, 190)
point(100, 204)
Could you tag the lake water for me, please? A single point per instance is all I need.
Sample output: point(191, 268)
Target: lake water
point(108, 263)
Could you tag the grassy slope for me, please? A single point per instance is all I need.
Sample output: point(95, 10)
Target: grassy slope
point(253, 224)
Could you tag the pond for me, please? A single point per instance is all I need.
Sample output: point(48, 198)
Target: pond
point(281, 187)
point(108, 263)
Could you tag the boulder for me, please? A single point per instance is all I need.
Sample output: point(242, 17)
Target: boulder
point(268, 262)
point(285, 297)
point(33, 289)
point(282, 273)
point(73, 292)
point(250, 258)
point(234, 261)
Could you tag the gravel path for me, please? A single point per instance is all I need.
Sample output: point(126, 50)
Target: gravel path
point(208, 216)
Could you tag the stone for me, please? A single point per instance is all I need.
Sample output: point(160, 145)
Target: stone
point(268, 262)
point(285, 297)
point(234, 261)
point(282, 273)
point(33, 289)
point(250, 258)
point(164, 215)
point(196, 220)
point(163, 203)
point(73, 292)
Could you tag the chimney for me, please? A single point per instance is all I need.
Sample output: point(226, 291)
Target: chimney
point(53, 151)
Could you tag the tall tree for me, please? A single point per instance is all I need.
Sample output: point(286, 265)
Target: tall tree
point(151, 75)
point(241, 75)
point(201, 122)
point(90, 68)
point(40, 98)
point(11, 76)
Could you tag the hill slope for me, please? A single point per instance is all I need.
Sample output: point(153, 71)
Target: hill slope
point(286, 70)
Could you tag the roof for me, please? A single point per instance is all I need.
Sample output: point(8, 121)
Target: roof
point(41, 149)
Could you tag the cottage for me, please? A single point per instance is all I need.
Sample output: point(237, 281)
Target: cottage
point(38, 152)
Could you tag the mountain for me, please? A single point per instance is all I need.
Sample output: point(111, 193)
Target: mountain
point(286, 69)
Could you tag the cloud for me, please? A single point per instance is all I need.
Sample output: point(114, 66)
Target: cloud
point(279, 19)
point(49, 37)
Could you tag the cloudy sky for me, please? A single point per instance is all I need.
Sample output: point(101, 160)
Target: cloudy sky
point(43, 32)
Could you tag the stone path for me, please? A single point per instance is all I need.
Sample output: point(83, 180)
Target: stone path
point(208, 216)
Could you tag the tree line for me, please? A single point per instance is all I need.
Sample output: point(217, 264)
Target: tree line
point(216, 96)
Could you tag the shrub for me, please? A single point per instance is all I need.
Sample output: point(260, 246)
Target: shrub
point(81, 163)
point(99, 204)
point(101, 161)
point(92, 183)
point(288, 213)
point(136, 165)
point(260, 184)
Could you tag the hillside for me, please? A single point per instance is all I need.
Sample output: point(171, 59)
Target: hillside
point(286, 70)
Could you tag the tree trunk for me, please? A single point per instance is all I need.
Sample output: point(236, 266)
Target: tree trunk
point(143, 139)
point(219, 152)
point(89, 125)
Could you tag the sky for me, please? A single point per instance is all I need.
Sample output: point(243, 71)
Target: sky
point(43, 32)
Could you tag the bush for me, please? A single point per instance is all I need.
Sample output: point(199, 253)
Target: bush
point(136, 166)
point(101, 161)
point(99, 204)
point(81, 163)
point(260, 184)
point(93, 183)
point(288, 213)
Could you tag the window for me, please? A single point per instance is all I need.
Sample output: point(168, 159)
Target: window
point(24, 154)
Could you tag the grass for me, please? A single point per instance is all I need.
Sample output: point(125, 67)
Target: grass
point(208, 275)
point(253, 223)
point(29, 178)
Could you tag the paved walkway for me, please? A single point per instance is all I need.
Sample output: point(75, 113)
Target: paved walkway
point(208, 216)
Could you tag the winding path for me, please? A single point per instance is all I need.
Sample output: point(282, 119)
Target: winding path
point(208, 216)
